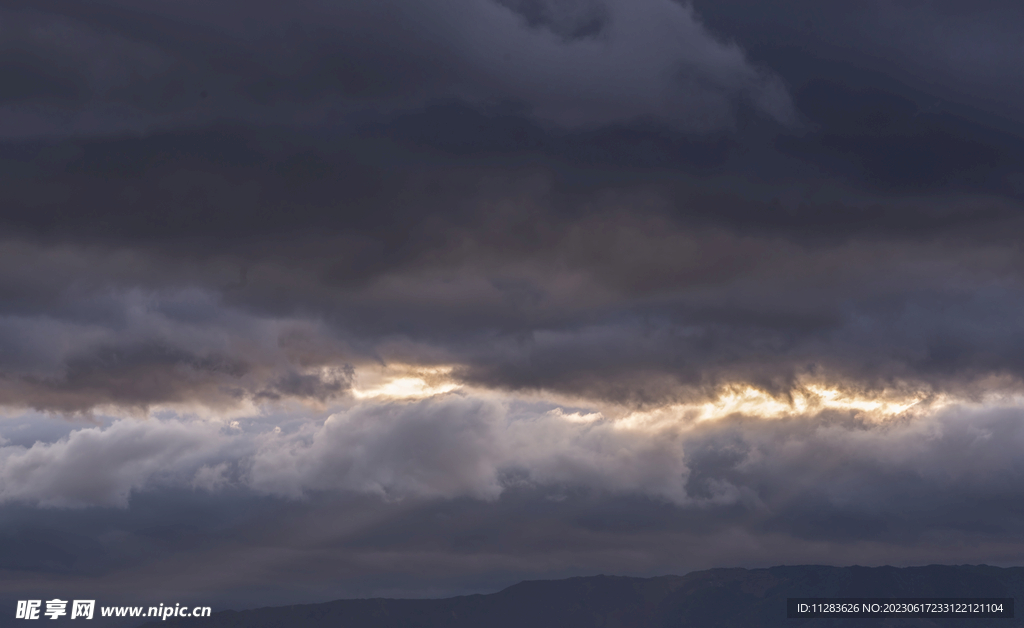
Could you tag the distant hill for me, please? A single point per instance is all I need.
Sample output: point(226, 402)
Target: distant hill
point(741, 598)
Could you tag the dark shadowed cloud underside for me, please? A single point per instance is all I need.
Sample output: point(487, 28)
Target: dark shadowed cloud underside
point(410, 298)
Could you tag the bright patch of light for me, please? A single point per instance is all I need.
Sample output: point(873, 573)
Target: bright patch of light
point(804, 400)
point(577, 417)
point(403, 382)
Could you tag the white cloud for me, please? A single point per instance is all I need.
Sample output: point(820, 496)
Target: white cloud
point(444, 447)
point(102, 466)
point(453, 446)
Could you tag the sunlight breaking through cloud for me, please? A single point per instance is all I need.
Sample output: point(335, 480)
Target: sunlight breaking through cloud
point(403, 382)
point(804, 400)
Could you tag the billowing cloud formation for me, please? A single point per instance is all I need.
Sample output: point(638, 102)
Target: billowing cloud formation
point(454, 446)
point(959, 54)
point(464, 490)
point(120, 66)
point(695, 310)
point(102, 467)
point(466, 447)
point(378, 294)
point(130, 348)
point(623, 253)
point(444, 447)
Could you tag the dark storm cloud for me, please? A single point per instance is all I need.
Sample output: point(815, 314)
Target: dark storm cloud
point(523, 282)
point(117, 65)
point(79, 331)
point(222, 218)
point(627, 259)
point(869, 315)
point(949, 53)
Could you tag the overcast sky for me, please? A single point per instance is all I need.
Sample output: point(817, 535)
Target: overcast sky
point(318, 299)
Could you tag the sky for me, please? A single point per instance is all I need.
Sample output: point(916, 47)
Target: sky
point(312, 300)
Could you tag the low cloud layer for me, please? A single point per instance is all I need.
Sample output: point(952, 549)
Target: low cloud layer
point(447, 447)
point(460, 489)
point(454, 446)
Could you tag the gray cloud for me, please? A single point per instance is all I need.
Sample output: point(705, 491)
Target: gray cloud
point(632, 307)
point(464, 447)
point(223, 222)
point(954, 54)
point(70, 348)
point(446, 448)
point(102, 467)
point(120, 67)
point(467, 492)
point(455, 446)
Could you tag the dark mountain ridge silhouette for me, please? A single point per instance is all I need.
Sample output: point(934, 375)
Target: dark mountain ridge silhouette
point(748, 598)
